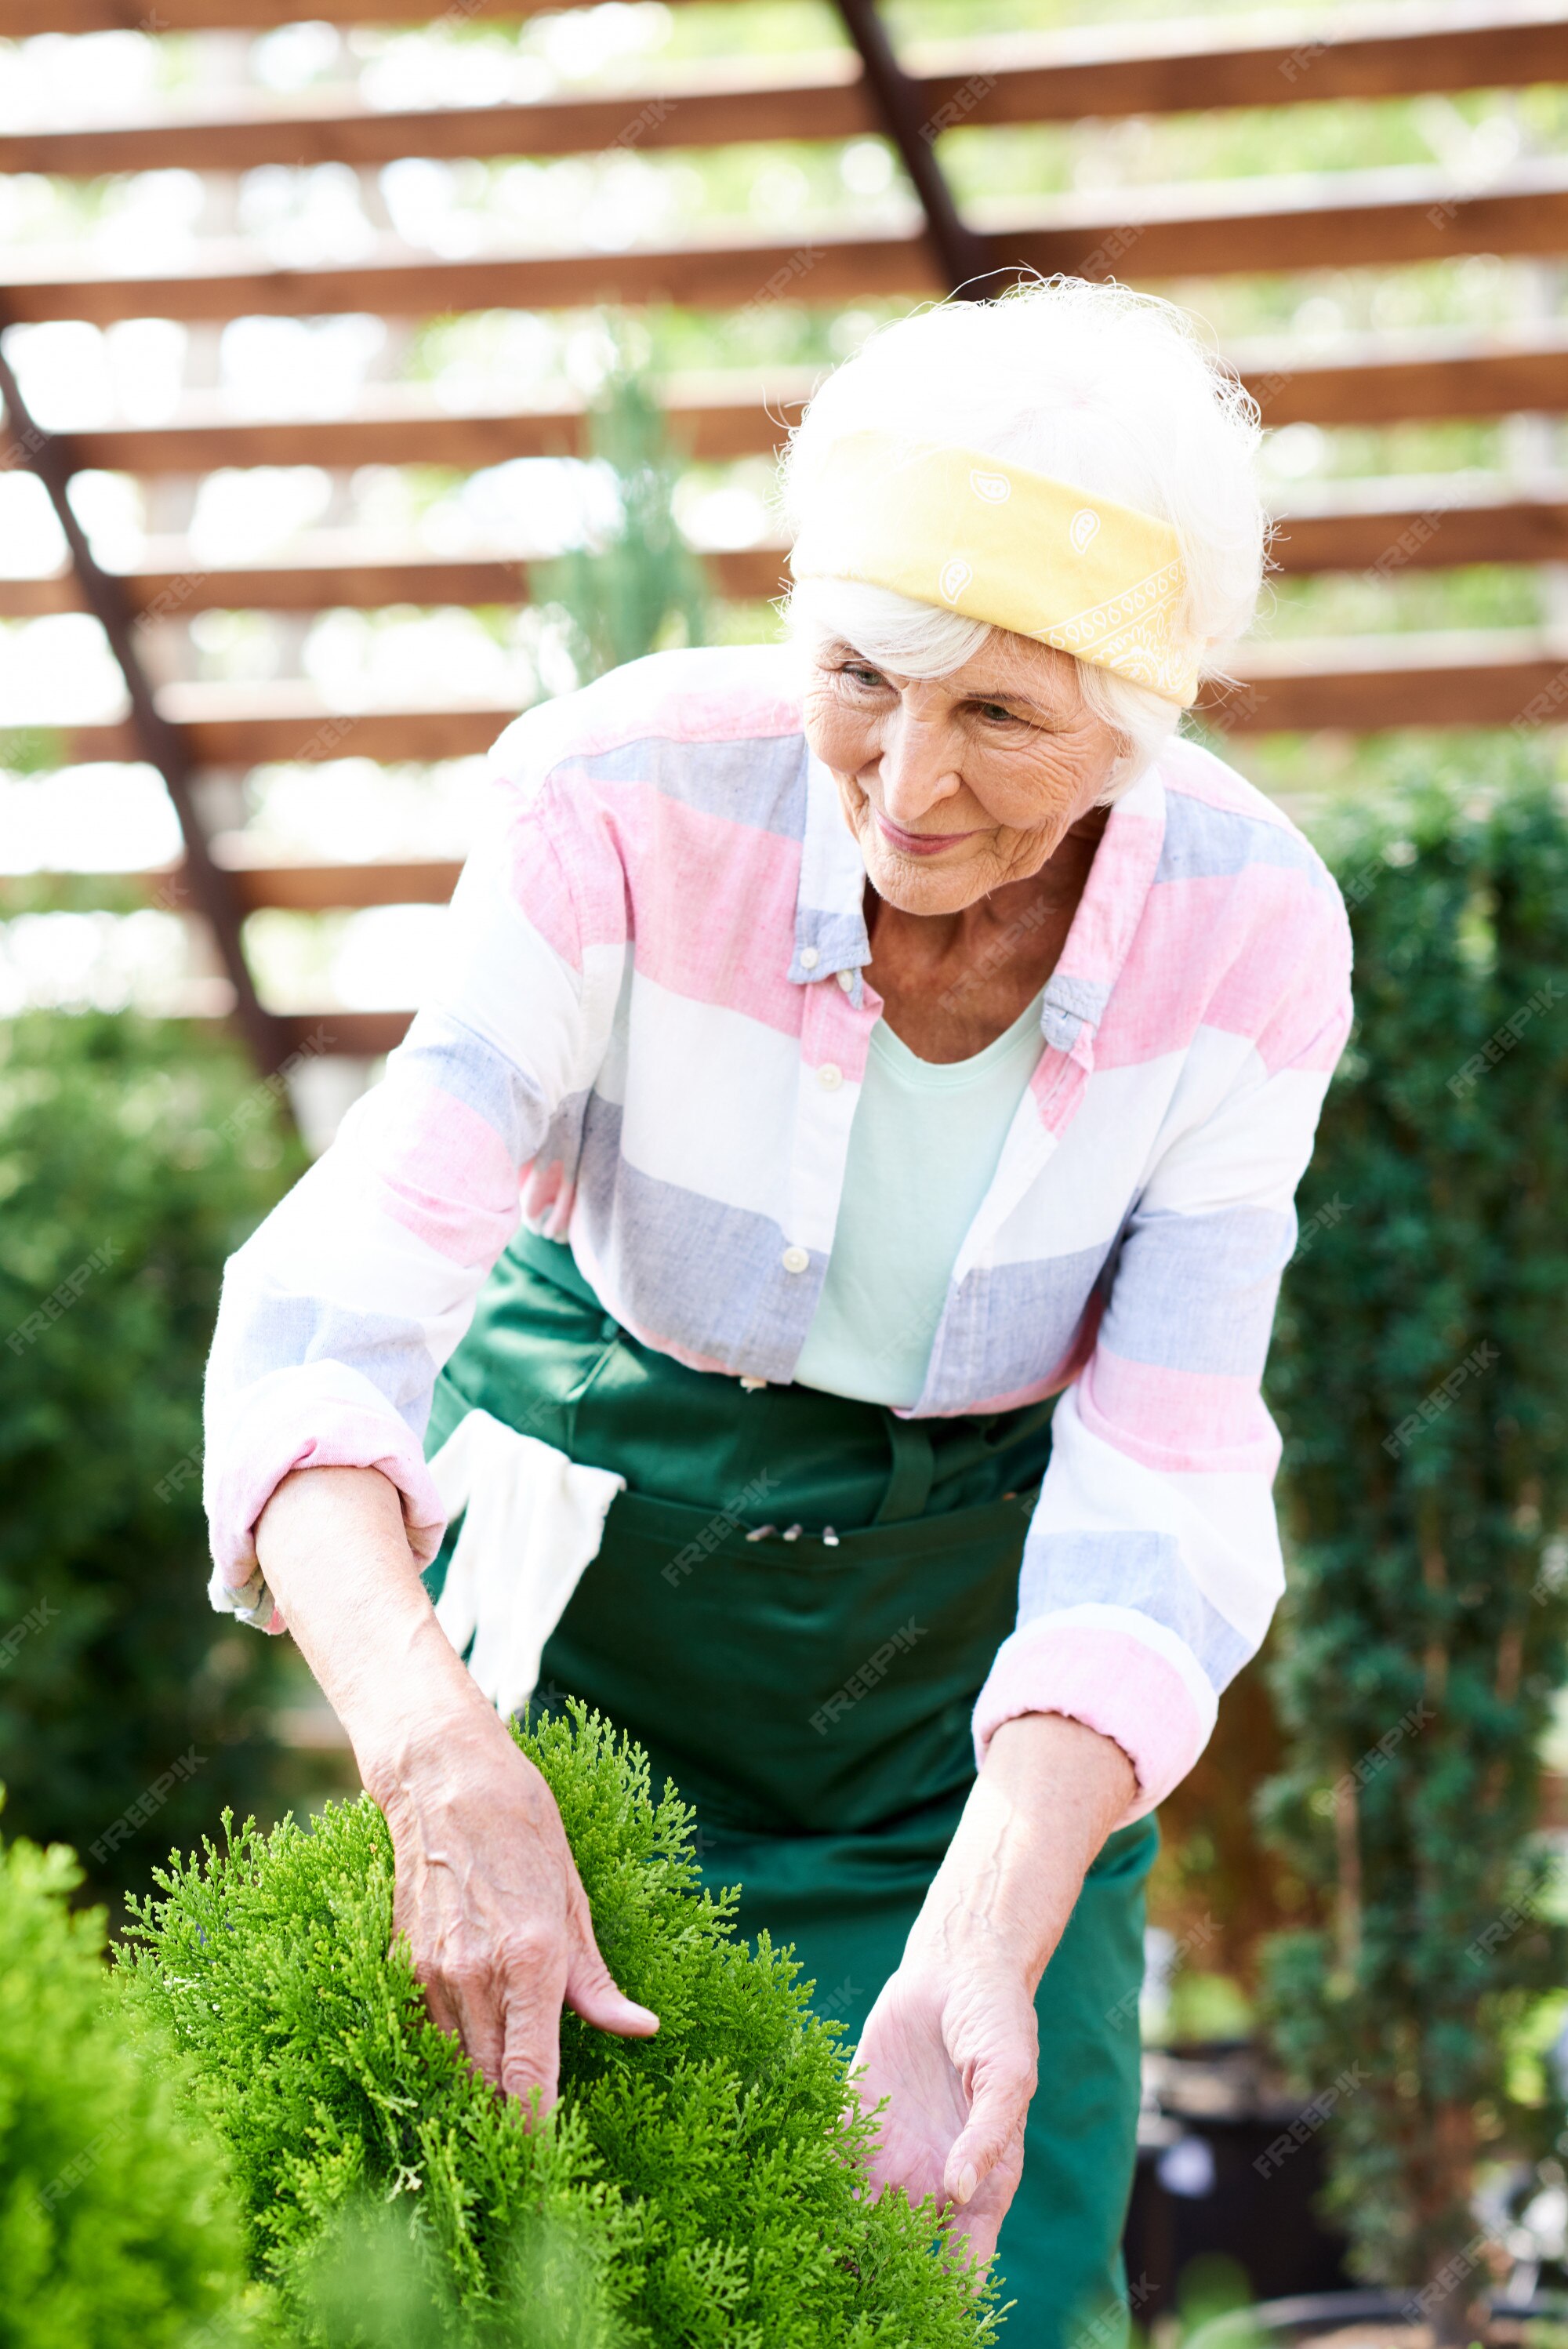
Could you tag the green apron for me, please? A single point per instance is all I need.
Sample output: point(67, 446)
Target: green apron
point(812, 1697)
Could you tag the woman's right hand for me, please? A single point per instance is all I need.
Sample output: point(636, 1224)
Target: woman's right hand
point(492, 1908)
point(487, 1892)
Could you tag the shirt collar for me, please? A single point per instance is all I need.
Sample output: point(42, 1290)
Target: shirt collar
point(1107, 916)
point(830, 932)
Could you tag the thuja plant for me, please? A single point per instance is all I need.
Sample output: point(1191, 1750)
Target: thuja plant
point(372, 2281)
point(640, 589)
point(1422, 1382)
point(709, 2184)
point(114, 2225)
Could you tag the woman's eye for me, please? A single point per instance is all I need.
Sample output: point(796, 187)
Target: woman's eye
point(861, 676)
point(998, 710)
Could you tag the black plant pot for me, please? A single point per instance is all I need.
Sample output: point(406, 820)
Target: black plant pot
point(1207, 2183)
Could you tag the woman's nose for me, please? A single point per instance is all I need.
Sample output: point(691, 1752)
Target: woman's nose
point(917, 767)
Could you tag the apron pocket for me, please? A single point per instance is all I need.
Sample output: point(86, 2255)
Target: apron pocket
point(792, 1686)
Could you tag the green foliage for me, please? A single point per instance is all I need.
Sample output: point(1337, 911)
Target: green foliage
point(133, 1158)
point(643, 589)
point(30, 750)
point(709, 2181)
point(371, 2281)
point(1422, 1382)
point(113, 2227)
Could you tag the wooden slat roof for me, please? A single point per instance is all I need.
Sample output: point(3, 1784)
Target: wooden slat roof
point(1399, 525)
point(1268, 224)
point(1295, 222)
point(19, 19)
point(1360, 53)
point(1370, 380)
point(341, 569)
point(1027, 78)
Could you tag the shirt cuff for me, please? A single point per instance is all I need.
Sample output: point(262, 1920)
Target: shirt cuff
point(1156, 1706)
point(323, 1415)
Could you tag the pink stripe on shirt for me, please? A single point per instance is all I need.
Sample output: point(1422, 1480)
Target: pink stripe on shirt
point(1182, 1423)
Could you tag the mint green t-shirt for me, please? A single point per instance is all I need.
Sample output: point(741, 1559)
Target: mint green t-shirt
point(926, 1141)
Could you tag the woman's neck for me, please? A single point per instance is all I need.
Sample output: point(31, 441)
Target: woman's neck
point(952, 983)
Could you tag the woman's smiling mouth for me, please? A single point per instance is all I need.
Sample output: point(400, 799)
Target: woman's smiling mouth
point(917, 843)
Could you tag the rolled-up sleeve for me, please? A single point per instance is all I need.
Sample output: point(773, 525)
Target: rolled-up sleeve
point(339, 1313)
point(1152, 1563)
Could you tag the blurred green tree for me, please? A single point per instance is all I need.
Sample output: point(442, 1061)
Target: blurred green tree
point(134, 1157)
point(1421, 1380)
point(641, 589)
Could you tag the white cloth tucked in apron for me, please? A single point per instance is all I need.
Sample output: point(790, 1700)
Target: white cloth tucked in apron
point(532, 1519)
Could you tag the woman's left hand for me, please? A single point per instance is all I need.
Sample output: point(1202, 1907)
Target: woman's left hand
point(953, 2050)
point(952, 2043)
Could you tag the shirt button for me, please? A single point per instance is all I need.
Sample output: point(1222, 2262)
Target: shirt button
point(829, 1076)
point(846, 981)
point(795, 1259)
point(810, 957)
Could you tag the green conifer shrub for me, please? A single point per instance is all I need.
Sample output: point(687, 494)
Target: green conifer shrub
point(709, 2181)
point(1421, 1380)
point(371, 2281)
point(114, 2223)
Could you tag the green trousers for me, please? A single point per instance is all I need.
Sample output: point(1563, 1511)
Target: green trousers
point(794, 1605)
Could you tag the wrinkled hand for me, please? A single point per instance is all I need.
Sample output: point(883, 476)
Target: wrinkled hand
point(490, 1899)
point(954, 2050)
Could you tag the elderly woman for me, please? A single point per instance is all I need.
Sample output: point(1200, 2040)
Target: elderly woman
point(899, 1052)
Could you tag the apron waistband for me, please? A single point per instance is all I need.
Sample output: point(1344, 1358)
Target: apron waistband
point(923, 1455)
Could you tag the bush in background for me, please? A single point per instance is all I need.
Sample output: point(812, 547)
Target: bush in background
point(1421, 1377)
point(115, 2226)
point(134, 1156)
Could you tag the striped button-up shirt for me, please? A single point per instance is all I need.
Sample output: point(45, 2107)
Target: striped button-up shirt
point(648, 1038)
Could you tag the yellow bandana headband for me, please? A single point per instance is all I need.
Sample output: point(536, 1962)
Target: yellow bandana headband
point(949, 527)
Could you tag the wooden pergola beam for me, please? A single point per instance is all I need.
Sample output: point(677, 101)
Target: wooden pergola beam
point(711, 417)
point(898, 107)
point(1437, 522)
point(1368, 381)
point(1363, 684)
point(21, 19)
point(1386, 527)
point(298, 887)
point(248, 725)
point(1410, 379)
point(346, 572)
point(224, 280)
point(1055, 76)
point(1465, 678)
point(328, 888)
point(1296, 221)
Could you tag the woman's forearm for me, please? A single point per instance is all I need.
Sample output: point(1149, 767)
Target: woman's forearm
point(1049, 1792)
point(333, 1548)
point(951, 2044)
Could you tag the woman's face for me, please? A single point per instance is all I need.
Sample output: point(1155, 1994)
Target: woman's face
point(955, 785)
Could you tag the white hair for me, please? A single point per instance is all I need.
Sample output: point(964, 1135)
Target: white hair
point(1105, 389)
